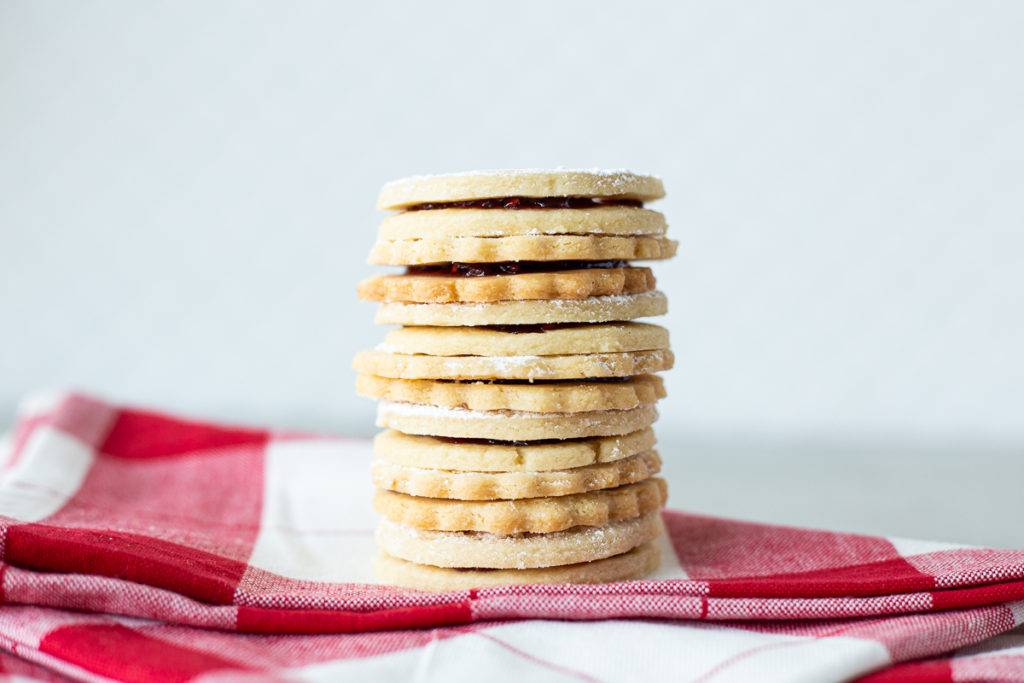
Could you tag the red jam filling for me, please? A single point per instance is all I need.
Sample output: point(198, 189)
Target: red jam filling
point(497, 442)
point(532, 329)
point(588, 380)
point(529, 203)
point(509, 267)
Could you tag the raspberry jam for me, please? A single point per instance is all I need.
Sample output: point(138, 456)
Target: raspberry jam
point(496, 442)
point(529, 203)
point(508, 267)
point(537, 382)
point(531, 329)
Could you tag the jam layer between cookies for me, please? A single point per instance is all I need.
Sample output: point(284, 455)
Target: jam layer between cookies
point(529, 203)
point(509, 267)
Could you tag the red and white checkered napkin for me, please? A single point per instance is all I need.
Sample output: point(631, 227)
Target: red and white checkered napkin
point(138, 546)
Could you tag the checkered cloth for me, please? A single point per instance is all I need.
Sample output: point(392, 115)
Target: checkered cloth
point(139, 546)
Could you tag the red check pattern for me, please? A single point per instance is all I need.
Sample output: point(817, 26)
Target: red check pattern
point(137, 546)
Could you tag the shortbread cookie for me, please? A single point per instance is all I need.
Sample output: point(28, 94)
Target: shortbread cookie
point(565, 284)
point(596, 309)
point(452, 187)
point(510, 425)
point(547, 340)
point(449, 223)
point(437, 483)
point(403, 366)
point(404, 452)
point(527, 515)
point(521, 248)
point(519, 551)
point(635, 564)
point(556, 397)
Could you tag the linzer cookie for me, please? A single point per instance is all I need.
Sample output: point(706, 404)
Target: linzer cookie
point(635, 564)
point(582, 366)
point(528, 515)
point(507, 282)
point(557, 188)
point(506, 486)
point(510, 425)
point(518, 392)
point(558, 396)
point(594, 309)
point(535, 340)
point(521, 247)
point(455, 455)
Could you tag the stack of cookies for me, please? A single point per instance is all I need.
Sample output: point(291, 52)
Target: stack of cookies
point(519, 394)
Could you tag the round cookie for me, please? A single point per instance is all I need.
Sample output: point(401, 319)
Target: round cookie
point(574, 338)
point(414, 252)
point(564, 284)
point(451, 187)
point(569, 397)
point(449, 223)
point(582, 366)
point(408, 451)
point(635, 564)
point(438, 483)
point(527, 515)
point(597, 309)
point(510, 425)
point(520, 551)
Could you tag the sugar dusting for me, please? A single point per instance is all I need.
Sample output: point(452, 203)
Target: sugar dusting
point(615, 176)
point(521, 550)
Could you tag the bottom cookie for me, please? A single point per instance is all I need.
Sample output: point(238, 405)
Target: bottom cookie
point(634, 564)
point(517, 551)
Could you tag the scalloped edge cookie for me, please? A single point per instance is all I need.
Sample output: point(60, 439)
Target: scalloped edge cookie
point(479, 549)
point(415, 252)
point(396, 449)
point(454, 485)
point(572, 397)
point(527, 515)
point(510, 425)
point(448, 223)
point(582, 366)
point(563, 284)
point(483, 342)
point(634, 564)
point(451, 187)
point(596, 309)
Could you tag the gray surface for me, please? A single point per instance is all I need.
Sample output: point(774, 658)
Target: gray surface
point(960, 493)
point(187, 193)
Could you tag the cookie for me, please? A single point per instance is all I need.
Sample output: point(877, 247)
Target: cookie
point(407, 451)
point(521, 248)
point(444, 483)
point(583, 366)
point(634, 564)
point(482, 550)
point(597, 309)
point(449, 223)
point(452, 187)
point(571, 338)
point(565, 284)
point(526, 515)
point(559, 397)
point(510, 425)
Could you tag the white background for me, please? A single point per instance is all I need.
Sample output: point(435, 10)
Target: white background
point(187, 200)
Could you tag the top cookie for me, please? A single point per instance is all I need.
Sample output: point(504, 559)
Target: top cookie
point(456, 187)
